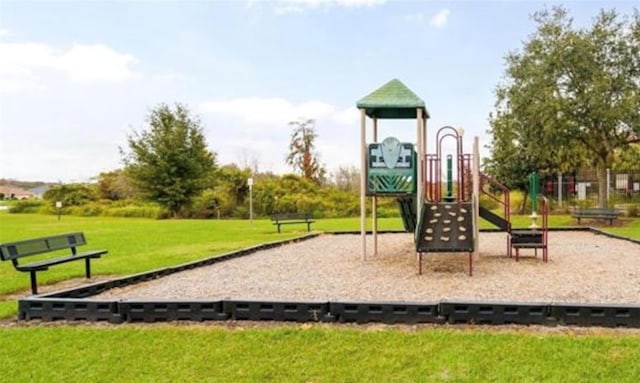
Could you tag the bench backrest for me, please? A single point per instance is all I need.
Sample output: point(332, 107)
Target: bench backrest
point(15, 250)
point(290, 216)
point(596, 210)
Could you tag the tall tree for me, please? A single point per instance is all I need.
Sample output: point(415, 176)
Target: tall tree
point(169, 161)
point(571, 95)
point(302, 154)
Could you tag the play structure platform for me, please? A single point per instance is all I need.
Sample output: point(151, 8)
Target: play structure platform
point(438, 193)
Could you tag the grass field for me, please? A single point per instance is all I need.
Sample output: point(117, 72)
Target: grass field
point(315, 353)
point(275, 352)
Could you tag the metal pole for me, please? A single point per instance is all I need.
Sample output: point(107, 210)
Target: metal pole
point(363, 183)
point(449, 177)
point(374, 207)
point(608, 184)
point(560, 189)
point(250, 183)
point(420, 141)
point(476, 194)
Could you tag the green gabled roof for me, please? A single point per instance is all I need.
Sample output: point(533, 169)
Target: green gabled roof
point(392, 100)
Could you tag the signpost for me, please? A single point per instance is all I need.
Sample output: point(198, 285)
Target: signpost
point(58, 208)
point(250, 183)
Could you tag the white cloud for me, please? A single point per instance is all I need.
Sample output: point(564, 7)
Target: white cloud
point(23, 64)
point(440, 19)
point(276, 111)
point(96, 63)
point(260, 125)
point(297, 6)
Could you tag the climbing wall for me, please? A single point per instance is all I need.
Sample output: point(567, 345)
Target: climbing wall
point(445, 227)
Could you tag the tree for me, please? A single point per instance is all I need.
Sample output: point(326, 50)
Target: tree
point(627, 159)
point(347, 178)
point(115, 185)
point(70, 194)
point(571, 96)
point(170, 162)
point(302, 155)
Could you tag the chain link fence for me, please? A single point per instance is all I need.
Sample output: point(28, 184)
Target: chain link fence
point(581, 188)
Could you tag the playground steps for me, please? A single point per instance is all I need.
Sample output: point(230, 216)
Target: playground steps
point(527, 239)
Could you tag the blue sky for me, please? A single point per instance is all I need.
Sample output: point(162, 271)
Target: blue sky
point(77, 77)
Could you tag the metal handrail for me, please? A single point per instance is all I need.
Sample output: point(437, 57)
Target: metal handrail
point(506, 199)
point(545, 226)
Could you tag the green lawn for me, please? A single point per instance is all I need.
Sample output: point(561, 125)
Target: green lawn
point(311, 353)
point(279, 352)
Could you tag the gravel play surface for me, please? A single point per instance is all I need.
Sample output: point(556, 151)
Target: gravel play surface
point(583, 268)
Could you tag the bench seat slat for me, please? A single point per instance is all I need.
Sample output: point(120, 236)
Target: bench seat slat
point(44, 264)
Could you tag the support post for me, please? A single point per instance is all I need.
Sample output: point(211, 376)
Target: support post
point(560, 189)
point(420, 143)
point(476, 195)
point(363, 183)
point(608, 185)
point(374, 204)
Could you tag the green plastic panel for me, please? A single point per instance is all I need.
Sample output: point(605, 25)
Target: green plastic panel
point(391, 168)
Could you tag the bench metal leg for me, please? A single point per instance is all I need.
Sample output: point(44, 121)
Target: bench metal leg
point(87, 262)
point(308, 226)
point(34, 283)
point(278, 227)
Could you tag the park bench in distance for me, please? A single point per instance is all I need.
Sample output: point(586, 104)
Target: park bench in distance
point(13, 251)
point(595, 213)
point(290, 218)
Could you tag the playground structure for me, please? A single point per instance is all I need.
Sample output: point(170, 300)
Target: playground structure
point(404, 171)
point(440, 223)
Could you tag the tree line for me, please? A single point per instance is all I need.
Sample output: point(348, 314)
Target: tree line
point(169, 172)
point(570, 99)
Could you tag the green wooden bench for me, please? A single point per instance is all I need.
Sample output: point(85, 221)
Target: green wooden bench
point(291, 218)
point(17, 251)
point(596, 213)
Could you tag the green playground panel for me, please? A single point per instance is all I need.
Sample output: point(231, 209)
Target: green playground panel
point(398, 177)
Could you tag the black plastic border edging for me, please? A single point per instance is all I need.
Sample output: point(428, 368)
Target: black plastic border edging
point(71, 305)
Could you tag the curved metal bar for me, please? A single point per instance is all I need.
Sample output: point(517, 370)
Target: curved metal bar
point(458, 139)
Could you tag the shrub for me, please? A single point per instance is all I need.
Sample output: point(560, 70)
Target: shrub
point(516, 198)
point(488, 202)
point(27, 206)
point(86, 210)
point(142, 211)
